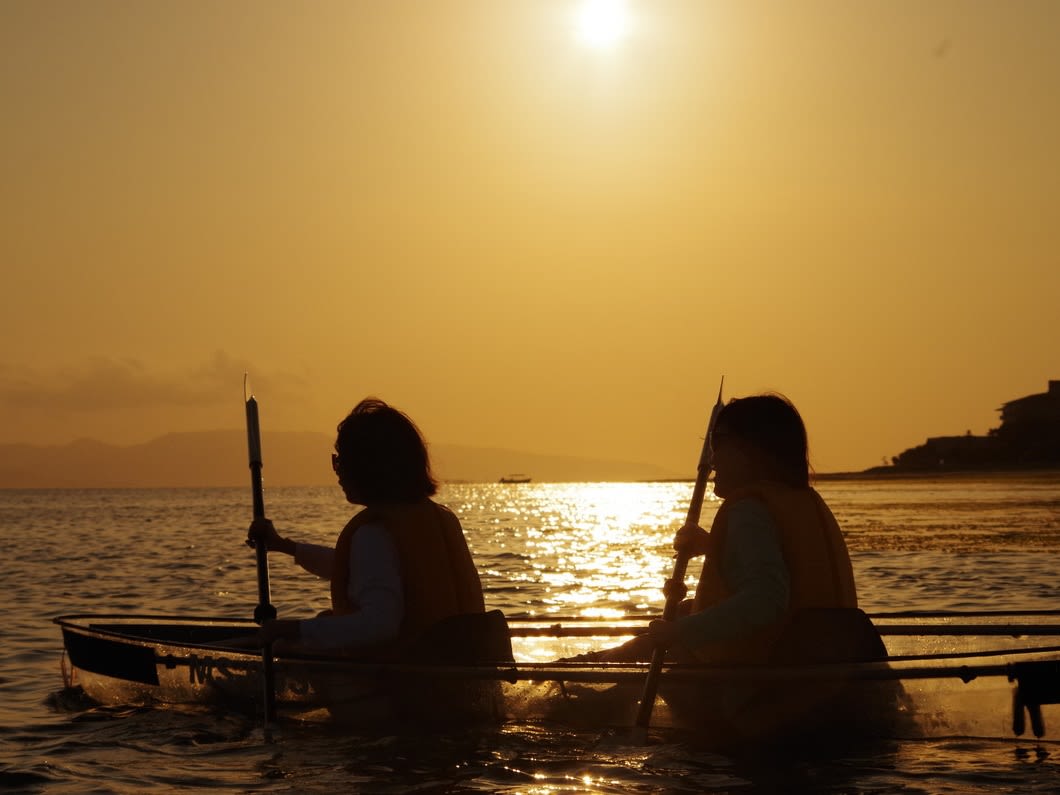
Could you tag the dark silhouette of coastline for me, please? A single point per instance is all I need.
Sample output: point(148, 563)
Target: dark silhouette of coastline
point(1027, 439)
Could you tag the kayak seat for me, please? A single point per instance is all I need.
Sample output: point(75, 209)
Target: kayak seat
point(463, 640)
point(828, 635)
point(814, 711)
point(468, 639)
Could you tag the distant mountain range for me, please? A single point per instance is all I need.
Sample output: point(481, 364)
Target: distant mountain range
point(219, 458)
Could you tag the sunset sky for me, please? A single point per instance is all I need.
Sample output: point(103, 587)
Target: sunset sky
point(526, 231)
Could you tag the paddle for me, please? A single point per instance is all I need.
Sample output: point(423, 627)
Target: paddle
point(673, 599)
point(264, 610)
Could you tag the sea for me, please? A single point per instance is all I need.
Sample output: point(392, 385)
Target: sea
point(548, 549)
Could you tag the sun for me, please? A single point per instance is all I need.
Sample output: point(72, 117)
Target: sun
point(602, 24)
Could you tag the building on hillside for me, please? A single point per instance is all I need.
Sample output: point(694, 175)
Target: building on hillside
point(1043, 408)
point(1029, 436)
point(1030, 428)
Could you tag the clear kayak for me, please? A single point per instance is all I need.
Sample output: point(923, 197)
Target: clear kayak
point(982, 674)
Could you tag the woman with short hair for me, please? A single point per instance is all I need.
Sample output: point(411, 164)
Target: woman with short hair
point(400, 565)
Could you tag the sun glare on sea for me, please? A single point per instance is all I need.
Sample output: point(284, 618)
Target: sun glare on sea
point(602, 24)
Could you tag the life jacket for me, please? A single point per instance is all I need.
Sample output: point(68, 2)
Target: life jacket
point(819, 570)
point(439, 577)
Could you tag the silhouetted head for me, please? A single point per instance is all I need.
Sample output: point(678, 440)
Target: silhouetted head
point(380, 456)
point(772, 431)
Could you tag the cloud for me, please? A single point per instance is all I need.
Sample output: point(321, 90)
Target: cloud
point(105, 384)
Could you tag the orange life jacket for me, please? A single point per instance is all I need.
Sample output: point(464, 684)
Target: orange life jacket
point(819, 570)
point(438, 575)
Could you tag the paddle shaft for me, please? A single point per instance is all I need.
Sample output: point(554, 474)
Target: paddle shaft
point(264, 610)
point(674, 597)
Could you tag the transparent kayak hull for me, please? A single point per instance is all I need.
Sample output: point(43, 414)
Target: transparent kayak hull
point(953, 674)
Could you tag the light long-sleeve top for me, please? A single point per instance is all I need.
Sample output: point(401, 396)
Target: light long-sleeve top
point(375, 587)
point(752, 566)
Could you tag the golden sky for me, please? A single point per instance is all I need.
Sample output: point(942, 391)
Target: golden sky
point(524, 235)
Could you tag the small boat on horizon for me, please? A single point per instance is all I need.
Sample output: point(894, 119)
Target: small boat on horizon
point(515, 478)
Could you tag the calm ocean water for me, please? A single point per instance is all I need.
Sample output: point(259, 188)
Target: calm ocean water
point(595, 549)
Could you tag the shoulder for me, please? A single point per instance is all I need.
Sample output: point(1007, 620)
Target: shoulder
point(753, 533)
point(750, 511)
point(372, 527)
point(447, 516)
point(373, 535)
point(775, 498)
point(363, 517)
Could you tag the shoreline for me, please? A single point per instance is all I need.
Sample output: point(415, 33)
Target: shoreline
point(934, 474)
point(937, 474)
point(1010, 473)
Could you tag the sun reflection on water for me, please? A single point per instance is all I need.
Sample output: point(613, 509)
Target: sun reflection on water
point(583, 549)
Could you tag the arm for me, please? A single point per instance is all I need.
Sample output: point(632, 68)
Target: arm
point(314, 558)
point(375, 587)
point(754, 570)
point(692, 541)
